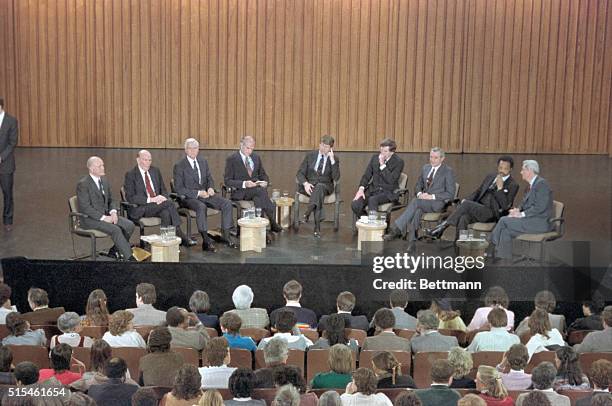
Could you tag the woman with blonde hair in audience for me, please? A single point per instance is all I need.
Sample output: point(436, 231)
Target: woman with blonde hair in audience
point(388, 370)
point(542, 335)
point(340, 360)
point(449, 319)
point(496, 297)
point(569, 374)
point(186, 389)
point(96, 311)
point(287, 395)
point(121, 331)
point(211, 397)
point(471, 400)
point(462, 364)
point(492, 390)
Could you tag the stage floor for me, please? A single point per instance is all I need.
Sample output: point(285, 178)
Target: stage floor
point(46, 177)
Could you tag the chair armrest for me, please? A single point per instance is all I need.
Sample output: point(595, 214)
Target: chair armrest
point(128, 205)
point(561, 220)
point(225, 190)
point(77, 214)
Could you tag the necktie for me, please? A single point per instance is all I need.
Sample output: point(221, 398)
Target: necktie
point(100, 186)
point(195, 169)
point(249, 165)
point(321, 166)
point(430, 178)
point(150, 190)
point(528, 188)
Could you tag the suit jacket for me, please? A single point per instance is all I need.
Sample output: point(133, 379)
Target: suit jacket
point(386, 342)
point(502, 199)
point(438, 395)
point(186, 179)
point(538, 204)
point(442, 185)
point(9, 135)
point(554, 397)
point(91, 201)
point(236, 173)
point(433, 342)
point(147, 315)
point(307, 172)
point(355, 322)
point(596, 341)
point(386, 181)
point(44, 316)
point(113, 393)
point(136, 190)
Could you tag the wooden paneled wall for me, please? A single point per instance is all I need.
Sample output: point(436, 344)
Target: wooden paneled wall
point(468, 75)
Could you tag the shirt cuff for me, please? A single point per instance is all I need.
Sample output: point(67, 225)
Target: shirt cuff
point(522, 214)
point(112, 211)
point(382, 167)
point(148, 200)
point(102, 218)
point(243, 184)
point(419, 194)
point(433, 197)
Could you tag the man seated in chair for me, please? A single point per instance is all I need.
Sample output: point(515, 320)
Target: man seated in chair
point(193, 179)
point(435, 187)
point(533, 216)
point(144, 187)
point(245, 174)
point(316, 176)
point(380, 180)
point(95, 200)
point(492, 200)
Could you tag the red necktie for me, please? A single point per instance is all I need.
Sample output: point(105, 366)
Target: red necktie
point(150, 190)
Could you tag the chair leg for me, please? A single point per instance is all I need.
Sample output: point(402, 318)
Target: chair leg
point(337, 217)
point(93, 248)
point(296, 215)
point(353, 226)
point(188, 217)
point(142, 243)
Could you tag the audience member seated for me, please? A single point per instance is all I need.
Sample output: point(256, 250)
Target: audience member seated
point(345, 303)
point(160, 365)
point(241, 385)
point(285, 322)
point(199, 303)
point(186, 388)
point(81, 399)
point(449, 319)
point(276, 354)
point(471, 399)
point(440, 393)
point(330, 398)
point(602, 399)
point(569, 373)
point(5, 302)
point(398, 300)
point(340, 360)
point(41, 313)
point(211, 397)
point(462, 364)
point(543, 377)
point(230, 326)
point(145, 397)
point(492, 390)
point(334, 333)
point(536, 398)
point(292, 375)
point(69, 324)
point(546, 301)
point(144, 313)
point(498, 338)
point(115, 391)
point(592, 316)
point(96, 311)
point(20, 332)
point(598, 341)
point(292, 292)
point(7, 377)
point(495, 297)
point(361, 390)
point(182, 336)
point(542, 335)
point(407, 399)
point(100, 353)
point(428, 337)
point(61, 355)
point(515, 359)
point(288, 395)
point(601, 378)
point(216, 374)
point(26, 375)
point(121, 331)
point(388, 371)
point(252, 317)
point(386, 340)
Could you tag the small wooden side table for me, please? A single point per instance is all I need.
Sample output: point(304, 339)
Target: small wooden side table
point(369, 232)
point(283, 211)
point(253, 233)
point(165, 250)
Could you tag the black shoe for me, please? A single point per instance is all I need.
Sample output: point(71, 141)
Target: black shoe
point(233, 243)
point(394, 234)
point(229, 239)
point(132, 259)
point(208, 245)
point(275, 227)
point(437, 231)
point(317, 234)
point(113, 252)
point(188, 242)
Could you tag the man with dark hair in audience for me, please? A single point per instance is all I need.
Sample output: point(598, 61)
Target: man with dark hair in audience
point(145, 397)
point(536, 398)
point(497, 338)
point(602, 399)
point(7, 377)
point(178, 324)
point(285, 323)
point(20, 332)
point(516, 358)
point(41, 314)
point(598, 341)
point(199, 303)
point(276, 353)
point(428, 337)
point(230, 326)
point(5, 302)
point(601, 378)
point(26, 375)
point(292, 292)
point(216, 374)
point(292, 375)
point(61, 355)
point(386, 340)
point(440, 394)
point(592, 315)
point(345, 303)
point(241, 385)
point(543, 377)
point(160, 366)
point(398, 300)
point(144, 313)
point(546, 301)
point(115, 392)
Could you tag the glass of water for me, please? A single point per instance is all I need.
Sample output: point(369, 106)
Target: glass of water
point(470, 235)
point(372, 216)
point(275, 194)
point(258, 211)
point(463, 235)
point(383, 218)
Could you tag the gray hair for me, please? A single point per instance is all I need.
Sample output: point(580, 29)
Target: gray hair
point(428, 319)
point(242, 297)
point(330, 398)
point(532, 165)
point(287, 395)
point(191, 142)
point(246, 139)
point(276, 351)
point(91, 160)
point(543, 375)
point(438, 150)
point(68, 321)
point(199, 302)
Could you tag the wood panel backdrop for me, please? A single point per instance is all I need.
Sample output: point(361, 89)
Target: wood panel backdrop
point(468, 75)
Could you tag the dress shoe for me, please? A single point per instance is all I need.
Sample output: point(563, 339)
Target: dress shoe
point(276, 228)
point(317, 234)
point(114, 253)
point(394, 234)
point(131, 259)
point(188, 242)
point(229, 239)
point(8, 227)
point(437, 231)
point(208, 245)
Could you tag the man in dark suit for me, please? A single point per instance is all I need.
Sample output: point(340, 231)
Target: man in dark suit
point(440, 393)
point(9, 134)
point(380, 180)
point(95, 200)
point(434, 188)
point(492, 200)
point(345, 303)
point(316, 176)
point(532, 217)
point(114, 391)
point(144, 187)
point(41, 313)
point(193, 179)
point(248, 180)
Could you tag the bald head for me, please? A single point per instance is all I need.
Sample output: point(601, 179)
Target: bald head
point(95, 165)
point(144, 159)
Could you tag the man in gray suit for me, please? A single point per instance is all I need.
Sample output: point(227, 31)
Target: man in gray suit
point(434, 188)
point(386, 340)
point(532, 217)
point(95, 200)
point(429, 338)
point(144, 313)
point(9, 134)
point(398, 300)
point(598, 341)
point(543, 377)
